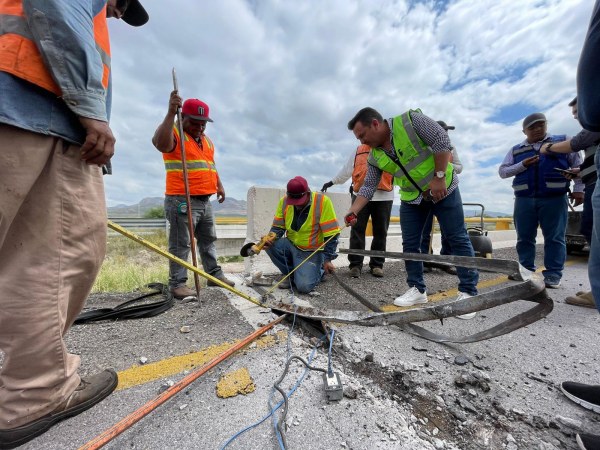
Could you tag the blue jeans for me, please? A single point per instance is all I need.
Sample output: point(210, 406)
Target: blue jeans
point(587, 216)
point(425, 241)
point(286, 257)
point(550, 213)
point(450, 215)
point(594, 260)
point(179, 237)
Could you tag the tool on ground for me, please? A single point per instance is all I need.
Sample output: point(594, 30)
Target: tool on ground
point(482, 244)
point(252, 248)
point(139, 414)
point(188, 199)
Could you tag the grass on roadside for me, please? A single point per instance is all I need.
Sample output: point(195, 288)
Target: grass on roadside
point(129, 266)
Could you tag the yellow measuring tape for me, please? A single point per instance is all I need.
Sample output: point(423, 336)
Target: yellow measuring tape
point(160, 251)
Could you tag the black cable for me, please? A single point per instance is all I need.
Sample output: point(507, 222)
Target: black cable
point(282, 392)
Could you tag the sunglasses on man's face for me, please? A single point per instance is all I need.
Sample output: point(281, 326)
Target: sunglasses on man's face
point(300, 195)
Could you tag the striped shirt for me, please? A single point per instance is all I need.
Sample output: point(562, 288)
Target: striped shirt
point(434, 136)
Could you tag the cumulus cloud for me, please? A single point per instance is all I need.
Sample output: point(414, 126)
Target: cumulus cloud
point(283, 79)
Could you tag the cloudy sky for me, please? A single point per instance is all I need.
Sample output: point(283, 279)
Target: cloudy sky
point(283, 78)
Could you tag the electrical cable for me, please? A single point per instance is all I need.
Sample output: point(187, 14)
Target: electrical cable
point(289, 394)
point(282, 392)
point(329, 363)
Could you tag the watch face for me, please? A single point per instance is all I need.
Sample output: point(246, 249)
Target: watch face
point(440, 174)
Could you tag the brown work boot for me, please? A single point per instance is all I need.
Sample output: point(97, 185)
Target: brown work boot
point(355, 272)
point(182, 292)
point(377, 272)
point(585, 299)
point(90, 391)
point(221, 278)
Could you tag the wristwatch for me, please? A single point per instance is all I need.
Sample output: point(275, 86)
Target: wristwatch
point(440, 174)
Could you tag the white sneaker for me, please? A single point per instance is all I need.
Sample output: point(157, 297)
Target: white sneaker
point(461, 296)
point(411, 297)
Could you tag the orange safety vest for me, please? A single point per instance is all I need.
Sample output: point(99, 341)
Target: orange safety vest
point(20, 56)
point(200, 163)
point(360, 171)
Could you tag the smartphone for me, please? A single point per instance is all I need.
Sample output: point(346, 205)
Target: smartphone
point(567, 172)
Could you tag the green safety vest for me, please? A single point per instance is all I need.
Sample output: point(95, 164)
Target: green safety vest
point(413, 154)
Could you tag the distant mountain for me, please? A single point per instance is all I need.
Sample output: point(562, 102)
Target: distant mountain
point(230, 207)
point(468, 212)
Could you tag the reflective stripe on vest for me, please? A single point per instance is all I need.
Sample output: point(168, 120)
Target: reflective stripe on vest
point(413, 154)
point(360, 171)
point(319, 224)
point(540, 180)
point(20, 56)
point(588, 168)
point(201, 168)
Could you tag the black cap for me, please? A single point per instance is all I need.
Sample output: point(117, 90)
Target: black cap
point(135, 14)
point(445, 126)
point(573, 102)
point(533, 118)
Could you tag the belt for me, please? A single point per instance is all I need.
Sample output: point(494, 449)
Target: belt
point(202, 198)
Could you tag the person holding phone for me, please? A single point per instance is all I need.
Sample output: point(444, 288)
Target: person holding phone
point(541, 196)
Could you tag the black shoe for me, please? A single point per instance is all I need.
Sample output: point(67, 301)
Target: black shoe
point(90, 391)
point(586, 395)
point(588, 441)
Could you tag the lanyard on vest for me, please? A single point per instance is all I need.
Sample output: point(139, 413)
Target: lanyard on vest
point(394, 158)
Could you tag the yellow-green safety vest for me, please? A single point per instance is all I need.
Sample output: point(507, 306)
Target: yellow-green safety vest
point(320, 224)
point(413, 154)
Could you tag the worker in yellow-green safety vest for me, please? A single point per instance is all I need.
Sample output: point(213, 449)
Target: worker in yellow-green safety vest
point(416, 150)
point(303, 222)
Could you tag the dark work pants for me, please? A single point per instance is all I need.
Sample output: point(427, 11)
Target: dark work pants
point(379, 212)
point(587, 216)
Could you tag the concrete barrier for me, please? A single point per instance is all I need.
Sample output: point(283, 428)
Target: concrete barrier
point(262, 202)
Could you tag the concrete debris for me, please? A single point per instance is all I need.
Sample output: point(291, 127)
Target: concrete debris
point(185, 329)
point(182, 407)
point(165, 385)
point(369, 357)
point(350, 392)
point(568, 422)
point(235, 383)
point(461, 360)
point(143, 360)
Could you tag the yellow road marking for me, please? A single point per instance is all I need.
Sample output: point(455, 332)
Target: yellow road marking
point(138, 375)
point(452, 292)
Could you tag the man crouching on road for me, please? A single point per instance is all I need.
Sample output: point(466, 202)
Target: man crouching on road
point(203, 180)
point(307, 219)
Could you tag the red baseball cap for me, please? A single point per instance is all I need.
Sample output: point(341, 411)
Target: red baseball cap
point(196, 109)
point(297, 191)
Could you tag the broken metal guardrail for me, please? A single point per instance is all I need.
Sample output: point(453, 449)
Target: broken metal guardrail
point(530, 289)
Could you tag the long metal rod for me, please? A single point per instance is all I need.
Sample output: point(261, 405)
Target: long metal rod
point(130, 420)
point(188, 199)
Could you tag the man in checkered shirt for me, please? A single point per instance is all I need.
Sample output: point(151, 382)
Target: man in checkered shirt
point(417, 151)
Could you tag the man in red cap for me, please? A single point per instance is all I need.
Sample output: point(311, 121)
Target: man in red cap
point(203, 181)
point(307, 220)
